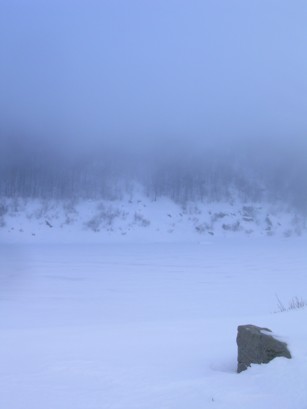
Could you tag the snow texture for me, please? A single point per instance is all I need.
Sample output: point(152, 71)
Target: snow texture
point(140, 219)
point(149, 325)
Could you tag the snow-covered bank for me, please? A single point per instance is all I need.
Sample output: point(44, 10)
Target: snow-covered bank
point(149, 326)
point(139, 219)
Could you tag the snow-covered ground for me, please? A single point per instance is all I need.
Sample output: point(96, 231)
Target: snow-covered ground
point(137, 218)
point(149, 326)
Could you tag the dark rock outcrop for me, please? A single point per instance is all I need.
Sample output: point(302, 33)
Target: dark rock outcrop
point(257, 345)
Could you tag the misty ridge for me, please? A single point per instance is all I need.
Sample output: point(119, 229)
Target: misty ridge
point(245, 173)
point(193, 102)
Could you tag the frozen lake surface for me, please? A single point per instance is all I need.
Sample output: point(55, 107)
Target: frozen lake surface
point(88, 326)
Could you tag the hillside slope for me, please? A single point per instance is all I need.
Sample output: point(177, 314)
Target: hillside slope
point(140, 218)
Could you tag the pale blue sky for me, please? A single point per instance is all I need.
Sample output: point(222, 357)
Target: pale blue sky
point(179, 71)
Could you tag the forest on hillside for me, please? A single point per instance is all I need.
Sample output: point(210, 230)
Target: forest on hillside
point(182, 175)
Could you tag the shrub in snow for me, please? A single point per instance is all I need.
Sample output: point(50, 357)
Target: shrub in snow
point(140, 220)
point(232, 227)
point(299, 224)
point(268, 221)
point(202, 228)
point(249, 211)
point(104, 218)
point(69, 207)
point(2, 222)
point(288, 233)
point(3, 209)
point(48, 209)
point(94, 223)
point(219, 215)
point(191, 209)
point(294, 304)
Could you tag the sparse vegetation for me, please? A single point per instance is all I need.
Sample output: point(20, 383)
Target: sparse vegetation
point(294, 304)
point(3, 209)
point(249, 211)
point(203, 227)
point(218, 215)
point(232, 227)
point(140, 220)
point(104, 218)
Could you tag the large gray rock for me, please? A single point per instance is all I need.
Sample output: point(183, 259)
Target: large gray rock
point(258, 346)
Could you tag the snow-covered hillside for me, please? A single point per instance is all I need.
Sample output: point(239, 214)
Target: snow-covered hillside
point(140, 218)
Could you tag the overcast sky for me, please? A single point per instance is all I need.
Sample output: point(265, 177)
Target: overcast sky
point(140, 71)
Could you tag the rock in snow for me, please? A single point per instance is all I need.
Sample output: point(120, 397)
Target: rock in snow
point(256, 345)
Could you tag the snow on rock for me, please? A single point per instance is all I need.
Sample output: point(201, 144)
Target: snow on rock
point(257, 345)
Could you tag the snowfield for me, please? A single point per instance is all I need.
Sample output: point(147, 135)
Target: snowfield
point(149, 326)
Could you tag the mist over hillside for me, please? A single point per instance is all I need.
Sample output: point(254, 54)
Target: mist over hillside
point(194, 102)
point(238, 172)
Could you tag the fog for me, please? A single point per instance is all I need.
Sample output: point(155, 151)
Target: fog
point(135, 87)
